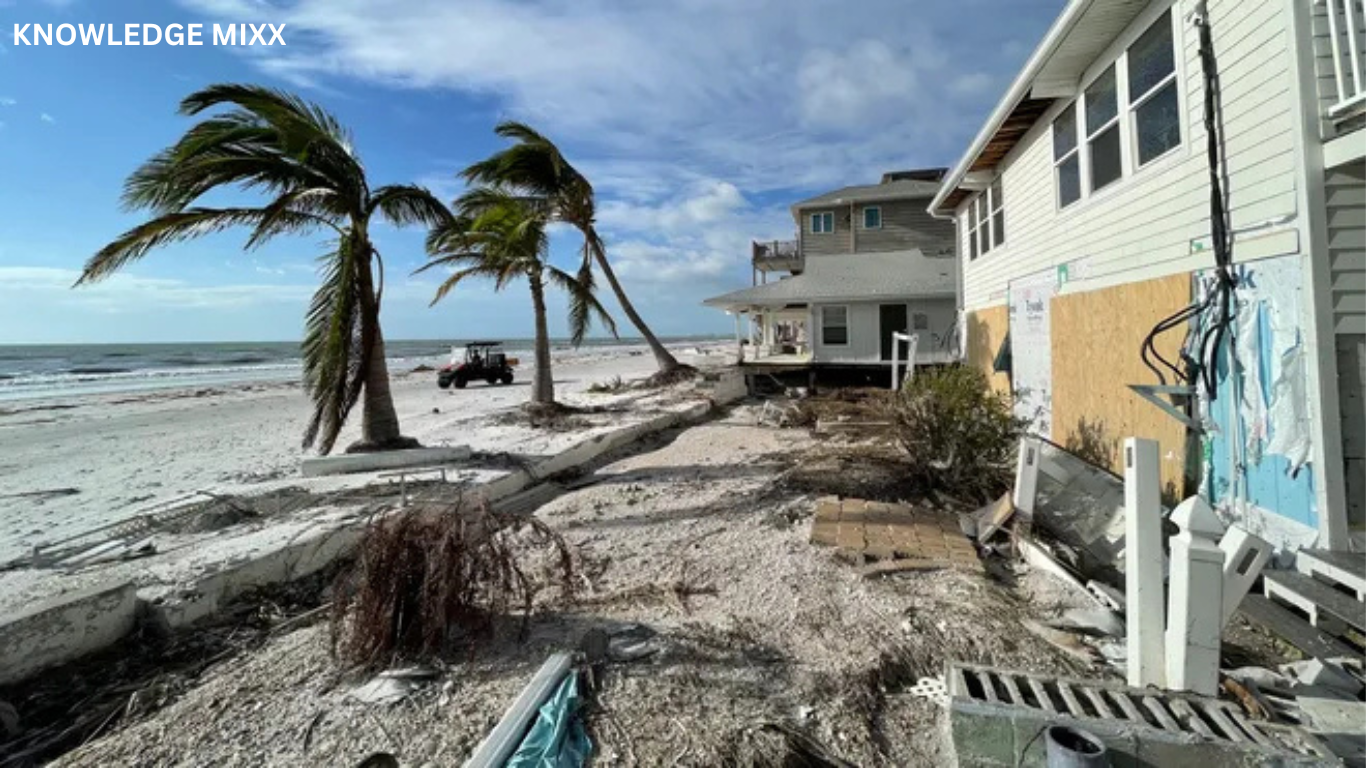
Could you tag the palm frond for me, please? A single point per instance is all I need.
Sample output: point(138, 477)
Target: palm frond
point(172, 227)
point(583, 303)
point(405, 204)
point(332, 341)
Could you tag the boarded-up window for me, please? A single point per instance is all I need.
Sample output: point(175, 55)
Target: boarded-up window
point(835, 326)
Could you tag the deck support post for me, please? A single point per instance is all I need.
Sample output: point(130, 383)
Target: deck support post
point(1195, 610)
point(1143, 562)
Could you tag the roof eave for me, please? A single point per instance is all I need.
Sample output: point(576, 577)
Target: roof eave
point(1018, 90)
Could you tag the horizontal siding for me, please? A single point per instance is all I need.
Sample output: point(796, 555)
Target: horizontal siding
point(824, 244)
point(865, 344)
point(1143, 226)
point(905, 224)
point(1346, 201)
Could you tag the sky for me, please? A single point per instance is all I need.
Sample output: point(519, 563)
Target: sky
point(699, 122)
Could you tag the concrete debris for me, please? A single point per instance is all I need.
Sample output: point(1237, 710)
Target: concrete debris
point(1107, 595)
point(633, 643)
point(1339, 725)
point(393, 686)
point(9, 720)
point(1317, 674)
point(1098, 623)
point(993, 517)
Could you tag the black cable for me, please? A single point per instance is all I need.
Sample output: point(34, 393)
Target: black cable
point(1203, 368)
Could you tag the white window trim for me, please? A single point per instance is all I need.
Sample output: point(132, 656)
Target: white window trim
point(1078, 129)
point(868, 208)
point(994, 207)
point(1090, 136)
point(848, 337)
point(1117, 54)
point(821, 216)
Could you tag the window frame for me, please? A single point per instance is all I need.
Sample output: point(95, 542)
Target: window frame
point(1117, 55)
point(1090, 137)
point(1075, 152)
point(866, 210)
point(847, 336)
point(823, 216)
point(997, 206)
point(1172, 78)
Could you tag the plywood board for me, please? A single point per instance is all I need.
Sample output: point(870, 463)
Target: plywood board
point(986, 330)
point(1097, 336)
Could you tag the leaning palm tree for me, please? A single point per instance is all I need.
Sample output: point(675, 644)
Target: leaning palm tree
point(502, 237)
point(301, 157)
point(535, 168)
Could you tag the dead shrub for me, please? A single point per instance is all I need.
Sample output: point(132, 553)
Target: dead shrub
point(959, 436)
point(432, 580)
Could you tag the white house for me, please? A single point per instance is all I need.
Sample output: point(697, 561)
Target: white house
point(1085, 218)
point(868, 262)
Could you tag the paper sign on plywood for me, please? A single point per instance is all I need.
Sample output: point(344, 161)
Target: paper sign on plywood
point(1031, 347)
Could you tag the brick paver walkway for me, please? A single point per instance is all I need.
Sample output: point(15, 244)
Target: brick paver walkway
point(871, 530)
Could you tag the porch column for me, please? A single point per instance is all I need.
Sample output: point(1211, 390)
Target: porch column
point(739, 339)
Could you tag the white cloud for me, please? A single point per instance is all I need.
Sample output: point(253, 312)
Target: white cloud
point(120, 292)
point(45, 117)
point(7, 102)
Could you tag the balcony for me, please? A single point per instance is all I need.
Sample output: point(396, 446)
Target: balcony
point(776, 256)
point(1340, 50)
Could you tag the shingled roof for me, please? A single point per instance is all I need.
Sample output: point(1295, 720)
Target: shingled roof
point(852, 277)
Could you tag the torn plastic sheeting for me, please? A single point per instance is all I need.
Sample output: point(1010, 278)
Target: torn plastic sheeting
point(557, 739)
point(1289, 414)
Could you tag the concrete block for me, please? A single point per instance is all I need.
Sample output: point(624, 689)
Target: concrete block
point(1244, 557)
point(64, 628)
point(1143, 562)
point(372, 462)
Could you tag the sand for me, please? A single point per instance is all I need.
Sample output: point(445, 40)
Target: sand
point(778, 630)
point(70, 465)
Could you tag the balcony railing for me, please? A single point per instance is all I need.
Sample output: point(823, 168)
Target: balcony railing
point(776, 255)
point(1346, 30)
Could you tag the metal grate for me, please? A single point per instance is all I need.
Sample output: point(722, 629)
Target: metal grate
point(1091, 700)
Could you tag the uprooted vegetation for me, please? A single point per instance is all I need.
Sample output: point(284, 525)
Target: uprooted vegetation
point(435, 579)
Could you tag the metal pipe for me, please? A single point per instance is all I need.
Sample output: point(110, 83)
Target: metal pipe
point(505, 737)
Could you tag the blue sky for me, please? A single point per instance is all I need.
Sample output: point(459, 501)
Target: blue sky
point(699, 122)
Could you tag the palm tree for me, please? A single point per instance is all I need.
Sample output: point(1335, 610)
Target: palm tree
point(535, 168)
point(502, 237)
point(301, 157)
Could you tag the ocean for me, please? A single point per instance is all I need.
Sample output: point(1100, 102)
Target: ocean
point(32, 371)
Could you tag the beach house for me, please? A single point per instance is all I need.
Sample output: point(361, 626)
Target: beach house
point(1125, 275)
point(868, 261)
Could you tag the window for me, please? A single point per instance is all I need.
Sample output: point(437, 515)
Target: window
point(835, 326)
point(973, 222)
point(1066, 157)
point(920, 321)
point(998, 213)
point(1102, 131)
point(1141, 84)
point(872, 217)
point(1152, 92)
point(823, 223)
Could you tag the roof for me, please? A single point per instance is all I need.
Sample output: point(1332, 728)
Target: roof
point(892, 190)
point(852, 277)
point(1083, 31)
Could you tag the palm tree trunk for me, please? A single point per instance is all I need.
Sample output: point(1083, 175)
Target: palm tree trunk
point(667, 362)
point(379, 420)
point(543, 387)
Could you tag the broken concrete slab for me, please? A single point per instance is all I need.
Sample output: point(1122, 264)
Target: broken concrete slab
point(64, 628)
point(863, 531)
point(378, 460)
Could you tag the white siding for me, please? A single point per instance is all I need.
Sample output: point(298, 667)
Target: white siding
point(1346, 201)
point(1143, 226)
point(865, 345)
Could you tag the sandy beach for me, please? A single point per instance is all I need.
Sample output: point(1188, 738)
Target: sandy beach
point(71, 464)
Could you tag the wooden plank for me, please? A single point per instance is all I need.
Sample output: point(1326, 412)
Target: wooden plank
point(1327, 599)
point(1346, 568)
point(1292, 628)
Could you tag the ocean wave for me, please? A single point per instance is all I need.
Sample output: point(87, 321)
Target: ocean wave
point(90, 370)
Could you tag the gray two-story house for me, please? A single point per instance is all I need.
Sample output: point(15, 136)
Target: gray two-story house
point(868, 261)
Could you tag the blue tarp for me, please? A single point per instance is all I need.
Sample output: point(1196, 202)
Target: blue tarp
point(557, 739)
